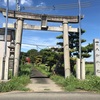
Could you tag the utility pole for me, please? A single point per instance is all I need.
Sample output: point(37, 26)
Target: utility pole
point(79, 3)
point(5, 68)
point(79, 60)
point(18, 5)
point(82, 61)
point(6, 28)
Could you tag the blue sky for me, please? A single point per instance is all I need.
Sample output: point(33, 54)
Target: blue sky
point(90, 23)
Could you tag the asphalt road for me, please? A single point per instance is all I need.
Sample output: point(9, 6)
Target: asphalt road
point(49, 96)
point(37, 74)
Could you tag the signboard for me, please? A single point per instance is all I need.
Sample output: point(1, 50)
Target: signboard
point(97, 57)
point(10, 34)
point(1, 37)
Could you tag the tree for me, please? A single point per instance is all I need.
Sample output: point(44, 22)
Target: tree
point(38, 60)
point(23, 56)
point(74, 47)
point(32, 55)
point(49, 57)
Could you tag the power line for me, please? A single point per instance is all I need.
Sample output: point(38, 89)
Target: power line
point(56, 7)
point(84, 4)
point(39, 45)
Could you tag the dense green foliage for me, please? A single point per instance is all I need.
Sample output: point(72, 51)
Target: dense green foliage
point(44, 56)
point(32, 55)
point(49, 57)
point(25, 69)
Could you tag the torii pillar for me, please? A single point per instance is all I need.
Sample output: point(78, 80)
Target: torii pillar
point(66, 48)
point(18, 40)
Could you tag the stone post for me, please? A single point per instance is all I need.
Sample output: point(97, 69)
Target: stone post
point(6, 68)
point(66, 49)
point(83, 70)
point(78, 68)
point(18, 40)
point(1, 68)
point(96, 43)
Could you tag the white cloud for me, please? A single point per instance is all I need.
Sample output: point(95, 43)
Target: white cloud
point(41, 4)
point(26, 2)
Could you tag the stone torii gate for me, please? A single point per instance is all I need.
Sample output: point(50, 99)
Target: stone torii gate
point(21, 16)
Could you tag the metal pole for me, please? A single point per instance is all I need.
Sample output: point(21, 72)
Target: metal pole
point(6, 29)
point(79, 3)
point(5, 42)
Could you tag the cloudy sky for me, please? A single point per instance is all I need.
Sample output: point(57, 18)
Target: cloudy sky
point(90, 23)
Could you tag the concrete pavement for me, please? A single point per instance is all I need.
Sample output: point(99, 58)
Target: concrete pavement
point(44, 85)
point(41, 83)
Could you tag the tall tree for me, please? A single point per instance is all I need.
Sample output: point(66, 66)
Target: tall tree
point(32, 55)
point(23, 56)
point(49, 57)
point(74, 47)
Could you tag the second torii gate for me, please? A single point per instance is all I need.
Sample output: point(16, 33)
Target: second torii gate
point(21, 16)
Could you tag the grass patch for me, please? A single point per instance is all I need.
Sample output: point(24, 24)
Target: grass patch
point(92, 83)
point(89, 69)
point(68, 84)
point(16, 83)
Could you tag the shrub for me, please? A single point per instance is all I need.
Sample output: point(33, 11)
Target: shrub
point(25, 69)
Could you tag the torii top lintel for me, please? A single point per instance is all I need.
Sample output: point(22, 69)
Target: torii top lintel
point(30, 16)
